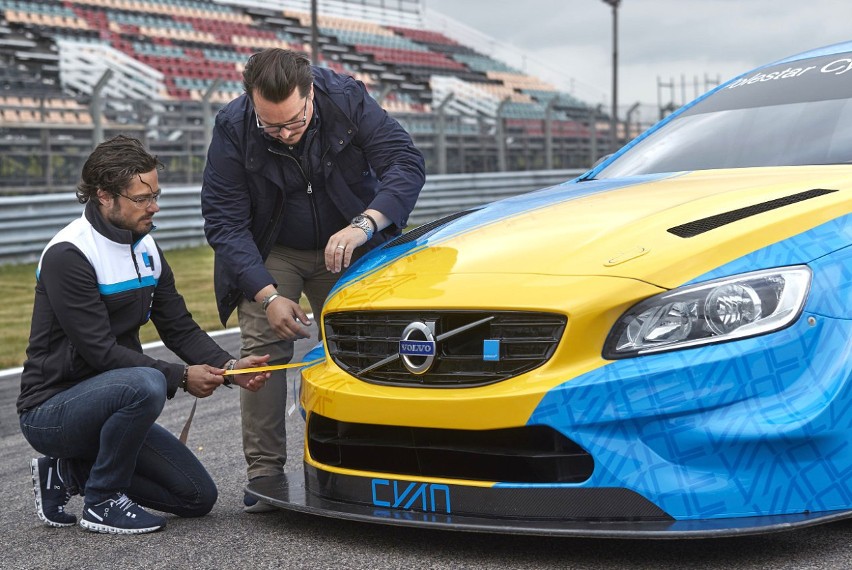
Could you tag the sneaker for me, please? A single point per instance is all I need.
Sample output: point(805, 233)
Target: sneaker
point(120, 515)
point(253, 506)
point(51, 494)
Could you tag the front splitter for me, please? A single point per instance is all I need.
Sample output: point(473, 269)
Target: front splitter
point(290, 492)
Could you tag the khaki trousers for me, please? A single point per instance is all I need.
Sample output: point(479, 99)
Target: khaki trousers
point(264, 412)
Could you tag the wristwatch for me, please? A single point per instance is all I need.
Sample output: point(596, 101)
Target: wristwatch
point(268, 299)
point(365, 223)
point(228, 366)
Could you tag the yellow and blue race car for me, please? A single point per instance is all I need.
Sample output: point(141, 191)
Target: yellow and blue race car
point(659, 348)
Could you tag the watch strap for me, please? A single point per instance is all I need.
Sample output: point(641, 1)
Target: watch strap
point(361, 221)
point(268, 299)
point(372, 221)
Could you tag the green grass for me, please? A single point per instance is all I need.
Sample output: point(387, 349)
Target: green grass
point(17, 283)
point(193, 268)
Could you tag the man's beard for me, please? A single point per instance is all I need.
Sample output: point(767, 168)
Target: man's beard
point(115, 219)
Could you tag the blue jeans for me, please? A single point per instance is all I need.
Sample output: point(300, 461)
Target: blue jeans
point(103, 428)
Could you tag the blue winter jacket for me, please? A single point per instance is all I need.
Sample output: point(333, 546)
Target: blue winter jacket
point(366, 158)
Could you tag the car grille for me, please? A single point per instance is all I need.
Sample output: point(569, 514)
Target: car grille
point(358, 341)
point(529, 454)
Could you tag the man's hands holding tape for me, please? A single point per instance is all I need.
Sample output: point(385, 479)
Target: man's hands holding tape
point(250, 381)
point(203, 379)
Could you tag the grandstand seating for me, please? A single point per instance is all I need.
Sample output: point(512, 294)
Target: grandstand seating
point(166, 55)
point(51, 110)
point(195, 42)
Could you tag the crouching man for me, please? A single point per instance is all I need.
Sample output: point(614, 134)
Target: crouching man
point(89, 396)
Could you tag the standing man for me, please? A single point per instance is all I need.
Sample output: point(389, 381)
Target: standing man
point(304, 174)
point(89, 396)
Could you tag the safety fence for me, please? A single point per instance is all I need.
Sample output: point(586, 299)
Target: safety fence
point(27, 223)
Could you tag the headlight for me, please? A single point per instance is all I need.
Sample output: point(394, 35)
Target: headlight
point(735, 307)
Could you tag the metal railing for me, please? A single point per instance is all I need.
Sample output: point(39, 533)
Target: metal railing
point(27, 223)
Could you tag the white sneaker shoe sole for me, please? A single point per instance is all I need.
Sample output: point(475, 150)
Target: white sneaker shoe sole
point(106, 529)
point(37, 493)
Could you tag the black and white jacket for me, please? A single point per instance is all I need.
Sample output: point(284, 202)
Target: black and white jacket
point(95, 287)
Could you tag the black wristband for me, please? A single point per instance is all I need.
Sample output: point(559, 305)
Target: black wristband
point(185, 377)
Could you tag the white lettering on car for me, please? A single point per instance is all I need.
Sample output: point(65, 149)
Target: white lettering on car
point(785, 74)
point(838, 66)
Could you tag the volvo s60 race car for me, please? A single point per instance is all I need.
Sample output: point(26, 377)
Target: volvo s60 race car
point(658, 348)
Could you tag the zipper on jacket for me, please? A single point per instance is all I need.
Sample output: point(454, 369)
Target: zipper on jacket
point(139, 278)
point(315, 215)
point(135, 264)
point(317, 229)
point(309, 191)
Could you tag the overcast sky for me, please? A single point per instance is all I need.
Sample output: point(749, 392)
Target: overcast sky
point(669, 39)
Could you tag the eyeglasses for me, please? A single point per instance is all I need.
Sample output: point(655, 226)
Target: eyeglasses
point(142, 202)
point(275, 130)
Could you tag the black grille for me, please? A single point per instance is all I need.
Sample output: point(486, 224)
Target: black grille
point(421, 231)
point(697, 227)
point(360, 339)
point(530, 454)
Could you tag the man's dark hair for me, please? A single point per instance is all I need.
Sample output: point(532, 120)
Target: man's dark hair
point(112, 165)
point(274, 73)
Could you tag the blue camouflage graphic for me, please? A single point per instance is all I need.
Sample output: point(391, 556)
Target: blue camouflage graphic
point(751, 427)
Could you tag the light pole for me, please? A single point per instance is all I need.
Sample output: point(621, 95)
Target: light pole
point(315, 52)
point(613, 120)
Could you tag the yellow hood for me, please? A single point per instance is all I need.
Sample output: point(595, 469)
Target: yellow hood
point(624, 232)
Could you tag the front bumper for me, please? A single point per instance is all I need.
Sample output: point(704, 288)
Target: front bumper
point(531, 510)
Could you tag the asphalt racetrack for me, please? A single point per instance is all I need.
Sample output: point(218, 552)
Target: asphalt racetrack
point(229, 539)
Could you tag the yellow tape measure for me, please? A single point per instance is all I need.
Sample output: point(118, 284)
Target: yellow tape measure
point(271, 368)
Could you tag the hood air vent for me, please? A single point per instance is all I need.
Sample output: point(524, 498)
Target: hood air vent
point(697, 227)
point(421, 231)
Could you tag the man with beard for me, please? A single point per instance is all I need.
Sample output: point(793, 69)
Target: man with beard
point(89, 396)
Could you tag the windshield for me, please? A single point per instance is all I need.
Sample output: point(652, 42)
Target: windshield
point(788, 114)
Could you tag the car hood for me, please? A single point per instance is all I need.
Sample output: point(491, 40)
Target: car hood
point(664, 231)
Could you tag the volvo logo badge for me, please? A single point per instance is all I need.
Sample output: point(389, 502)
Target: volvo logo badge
point(417, 347)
